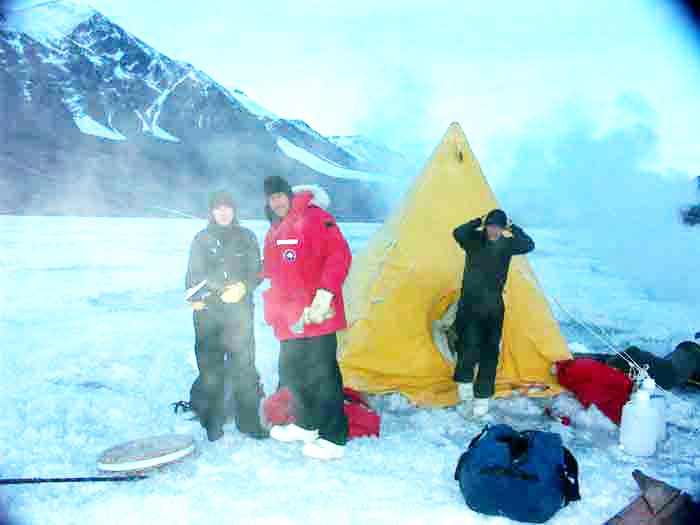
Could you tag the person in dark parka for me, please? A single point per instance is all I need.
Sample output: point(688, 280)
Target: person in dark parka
point(481, 309)
point(670, 371)
point(227, 257)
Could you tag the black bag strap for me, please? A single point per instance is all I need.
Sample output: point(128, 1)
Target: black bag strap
point(511, 471)
point(570, 478)
point(181, 406)
point(475, 439)
point(355, 400)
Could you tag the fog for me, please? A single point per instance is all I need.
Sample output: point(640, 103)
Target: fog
point(592, 176)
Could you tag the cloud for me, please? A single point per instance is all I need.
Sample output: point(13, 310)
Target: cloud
point(398, 108)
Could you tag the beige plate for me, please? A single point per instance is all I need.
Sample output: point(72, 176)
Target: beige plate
point(146, 453)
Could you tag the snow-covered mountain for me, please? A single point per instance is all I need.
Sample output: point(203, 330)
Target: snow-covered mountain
point(374, 155)
point(97, 121)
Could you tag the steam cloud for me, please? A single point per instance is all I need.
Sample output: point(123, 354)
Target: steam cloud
point(602, 188)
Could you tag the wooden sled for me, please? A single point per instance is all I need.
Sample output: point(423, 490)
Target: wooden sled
point(659, 504)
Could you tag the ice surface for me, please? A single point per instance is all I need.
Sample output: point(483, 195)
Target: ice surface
point(90, 126)
point(326, 166)
point(97, 342)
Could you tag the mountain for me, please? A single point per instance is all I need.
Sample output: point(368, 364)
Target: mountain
point(374, 156)
point(95, 121)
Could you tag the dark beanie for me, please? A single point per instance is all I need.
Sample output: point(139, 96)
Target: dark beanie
point(276, 184)
point(220, 198)
point(496, 218)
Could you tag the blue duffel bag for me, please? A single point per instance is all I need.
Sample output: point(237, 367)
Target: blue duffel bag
point(525, 476)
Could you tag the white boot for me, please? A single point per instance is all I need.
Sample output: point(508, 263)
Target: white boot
point(291, 432)
point(466, 392)
point(480, 407)
point(323, 449)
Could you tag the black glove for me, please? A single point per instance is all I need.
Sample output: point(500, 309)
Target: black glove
point(514, 228)
point(474, 223)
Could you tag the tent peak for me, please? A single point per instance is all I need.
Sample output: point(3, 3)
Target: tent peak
point(455, 133)
point(455, 128)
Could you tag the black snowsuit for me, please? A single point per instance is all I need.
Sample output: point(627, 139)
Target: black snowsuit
point(224, 339)
point(480, 313)
point(670, 371)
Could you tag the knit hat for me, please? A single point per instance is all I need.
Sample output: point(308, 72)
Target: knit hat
point(496, 218)
point(220, 198)
point(276, 184)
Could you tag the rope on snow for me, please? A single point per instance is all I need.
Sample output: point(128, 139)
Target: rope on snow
point(637, 372)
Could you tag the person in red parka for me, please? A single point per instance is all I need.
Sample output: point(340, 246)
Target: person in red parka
point(306, 259)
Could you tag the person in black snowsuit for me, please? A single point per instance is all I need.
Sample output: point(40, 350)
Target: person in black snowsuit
point(227, 256)
point(682, 365)
point(480, 313)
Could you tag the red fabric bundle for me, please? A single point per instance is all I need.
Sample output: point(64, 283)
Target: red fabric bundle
point(362, 420)
point(595, 383)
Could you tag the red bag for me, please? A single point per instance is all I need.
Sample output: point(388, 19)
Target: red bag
point(362, 420)
point(278, 408)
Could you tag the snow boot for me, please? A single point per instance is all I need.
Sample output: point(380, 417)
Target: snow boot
point(480, 407)
point(290, 433)
point(466, 392)
point(214, 432)
point(323, 449)
point(257, 434)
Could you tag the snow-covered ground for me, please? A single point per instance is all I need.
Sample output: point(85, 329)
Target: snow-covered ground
point(97, 343)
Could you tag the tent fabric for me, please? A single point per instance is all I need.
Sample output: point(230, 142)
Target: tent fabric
point(411, 271)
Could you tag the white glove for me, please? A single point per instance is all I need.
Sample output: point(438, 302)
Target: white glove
point(234, 293)
point(305, 316)
point(320, 309)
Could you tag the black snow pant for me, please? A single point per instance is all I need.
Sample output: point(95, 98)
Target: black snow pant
point(309, 368)
point(225, 350)
point(478, 343)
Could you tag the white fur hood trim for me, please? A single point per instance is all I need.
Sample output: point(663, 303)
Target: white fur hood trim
point(321, 197)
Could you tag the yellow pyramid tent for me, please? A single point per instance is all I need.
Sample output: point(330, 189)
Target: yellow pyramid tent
point(411, 271)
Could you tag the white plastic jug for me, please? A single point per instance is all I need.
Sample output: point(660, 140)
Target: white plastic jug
point(639, 425)
point(659, 403)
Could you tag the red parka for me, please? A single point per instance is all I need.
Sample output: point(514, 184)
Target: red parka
point(595, 383)
point(303, 252)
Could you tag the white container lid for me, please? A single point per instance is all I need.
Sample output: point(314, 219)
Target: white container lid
point(648, 384)
point(642, 395)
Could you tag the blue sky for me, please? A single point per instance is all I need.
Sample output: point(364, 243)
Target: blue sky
point(401, 71)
